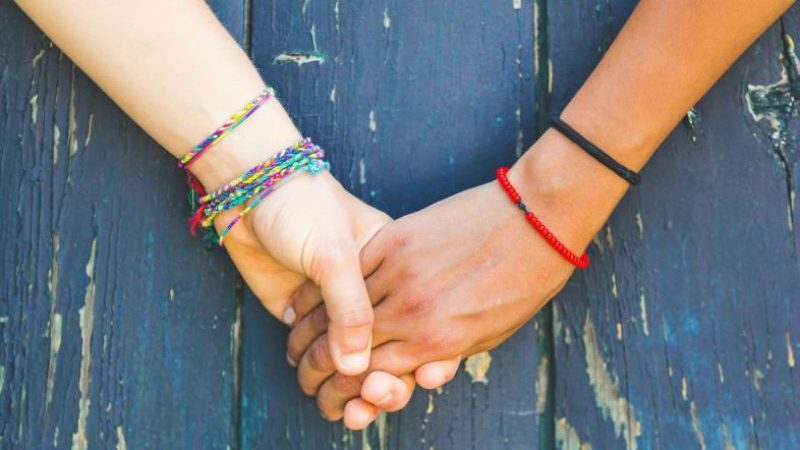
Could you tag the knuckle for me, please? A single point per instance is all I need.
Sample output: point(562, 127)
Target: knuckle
point(399, 238)
point(418, 302)
point(319, 320)
point(339, 251)
point(319, 357)
point(409, 272)
point(356, 317)
point(346, 385)
point(439, 342)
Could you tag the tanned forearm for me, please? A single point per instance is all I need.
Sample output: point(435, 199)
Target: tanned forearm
point(667, 56)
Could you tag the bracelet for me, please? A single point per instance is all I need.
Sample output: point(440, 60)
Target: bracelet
point(581, 262)
point(238, 118)
point(604, 158)
point(255, 185)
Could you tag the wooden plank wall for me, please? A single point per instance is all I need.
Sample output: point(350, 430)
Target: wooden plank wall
point(685, 331)
point(682, 335)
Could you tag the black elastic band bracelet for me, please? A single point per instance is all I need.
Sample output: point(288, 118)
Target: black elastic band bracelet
point(604, 158)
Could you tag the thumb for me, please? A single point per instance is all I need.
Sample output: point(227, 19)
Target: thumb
point(349, 310)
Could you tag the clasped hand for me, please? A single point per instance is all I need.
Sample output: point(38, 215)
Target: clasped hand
point(404, 300)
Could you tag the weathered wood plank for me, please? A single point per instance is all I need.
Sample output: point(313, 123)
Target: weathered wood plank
point(437, 93)
point(107, 339)
point(683, 333)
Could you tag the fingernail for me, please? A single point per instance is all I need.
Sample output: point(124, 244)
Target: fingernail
point(289, 315)
point(291, 362)
point(355, 361)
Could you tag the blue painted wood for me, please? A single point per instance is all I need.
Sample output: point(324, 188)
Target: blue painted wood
point(108, 339)
point(683, 333)
point(438, 93)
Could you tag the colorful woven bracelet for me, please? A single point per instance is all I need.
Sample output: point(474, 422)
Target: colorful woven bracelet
point(238, 118)
point(581, 262)
point(255, 185)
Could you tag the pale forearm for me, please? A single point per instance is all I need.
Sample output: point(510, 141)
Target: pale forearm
point(174, 69)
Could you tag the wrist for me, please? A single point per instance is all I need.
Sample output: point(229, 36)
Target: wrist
point(266, 133)
point(566, 188)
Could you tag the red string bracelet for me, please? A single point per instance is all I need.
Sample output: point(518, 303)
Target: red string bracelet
point(581, 262)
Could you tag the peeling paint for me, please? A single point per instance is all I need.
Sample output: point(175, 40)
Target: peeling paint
point(333, 95)
point(758, 375)
point(692, 117)
point(542, 384)
point(2, 378)
point(172, 295)
point(89, 130)
point(643, 312)
point(567, 437)
point(373, 124)
point(55, 346)
point(313, 32)
point(775, 105)
point(477, 366)
point(684, 389)
point(300, 58)
point(362, 171)
point(640, 225)
point(789, 351)
point(34, 102)
point(36, 58)
point(720, 374)
point(614, 291)
point(619, 331)
point(336, 14)
point(72, 122)
point(387, 21)
point(86, 321)
point(726, 438)
point(557, 325)
point(122, 444)
point(610, 238)
point(383, 431)
point(517, 4)
point(698, 432)
point(431, 406)
point(607, 397)
point(56, 141)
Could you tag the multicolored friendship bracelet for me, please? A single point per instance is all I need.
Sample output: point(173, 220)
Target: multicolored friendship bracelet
point(238, 118)
point(581, 262)
point(256, 184)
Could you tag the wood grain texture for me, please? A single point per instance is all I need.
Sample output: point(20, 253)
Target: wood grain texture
point(108, 339)
point(683, 333)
